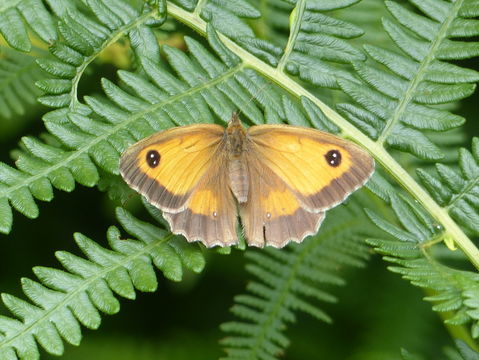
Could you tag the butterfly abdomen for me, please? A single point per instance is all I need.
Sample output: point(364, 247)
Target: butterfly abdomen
point(238, 178)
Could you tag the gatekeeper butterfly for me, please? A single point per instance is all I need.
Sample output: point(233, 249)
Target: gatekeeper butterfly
point(280, 178)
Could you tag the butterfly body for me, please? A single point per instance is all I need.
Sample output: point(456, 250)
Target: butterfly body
point(237, 144)
point(281, 178)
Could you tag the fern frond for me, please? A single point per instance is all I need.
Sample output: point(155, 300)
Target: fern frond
point(228, 17)
point(18, 73)
point(399, 89)
point(85, 38)
point(63, 300)
point(201, 86)
point(412, 253)
point(41, 166)
point(296, 279)
point(457, 190)
point(318, 43)
point(14, 17)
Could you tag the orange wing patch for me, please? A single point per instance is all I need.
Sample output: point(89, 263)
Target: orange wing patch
point(183, 162)
point(205, 202)
point(298, 159)
point(278, 203)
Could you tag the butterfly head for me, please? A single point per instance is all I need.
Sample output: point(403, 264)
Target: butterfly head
point(235, 135)
point(235, 121)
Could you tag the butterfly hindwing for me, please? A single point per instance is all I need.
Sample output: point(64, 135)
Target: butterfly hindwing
point(273, 215)
point(210, 215)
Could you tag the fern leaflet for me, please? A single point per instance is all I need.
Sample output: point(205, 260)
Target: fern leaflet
point(291, 280)
point(457, 190)
point(412, 253)
point(41, 166)
point(403, 86)
point(463, 352)
point(14, 30)
point(18, 73)
point(62, 300)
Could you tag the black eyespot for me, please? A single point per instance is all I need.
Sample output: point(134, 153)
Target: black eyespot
point(153, 158)
point(333, 158)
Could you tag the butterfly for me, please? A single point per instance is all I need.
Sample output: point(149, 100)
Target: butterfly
point(280, 178)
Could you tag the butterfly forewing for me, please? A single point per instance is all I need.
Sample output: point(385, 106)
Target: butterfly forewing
point(166, 167)
point(320, 168)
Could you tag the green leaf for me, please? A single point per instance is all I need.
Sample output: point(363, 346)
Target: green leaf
point(451, 290)
point(400, 95)
point(18, 73)
point(457, 189)
point(292, 280)
point(13, 29)
point(64, 299)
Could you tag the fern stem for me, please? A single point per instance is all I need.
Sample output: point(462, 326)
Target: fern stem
point(199, 6)
point(115, 36)
point(280, 300)
point(296, 17)
point(350, 131)
point(421, 72)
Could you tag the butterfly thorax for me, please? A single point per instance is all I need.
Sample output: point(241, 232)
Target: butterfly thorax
point(236, 147)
